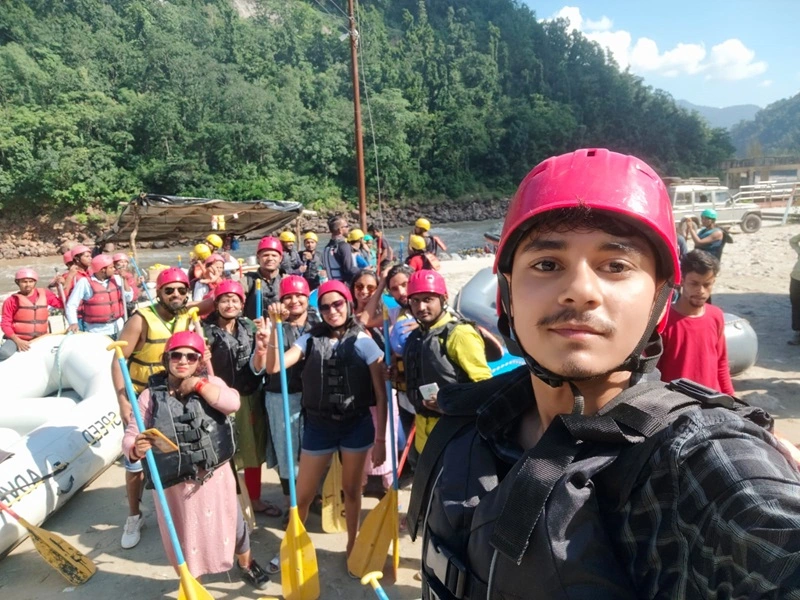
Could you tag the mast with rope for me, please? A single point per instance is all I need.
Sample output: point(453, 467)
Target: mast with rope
point(360, 178)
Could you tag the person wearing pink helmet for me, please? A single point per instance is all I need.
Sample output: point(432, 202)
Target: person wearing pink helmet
point(100, 299)
point(342, 377)
point(146, 331)
point(80, 268)
point(199, 486)
point(444, 350)
point(213, 276)
point(297, 319)
point(231, 341)
point(580, 474)
point(25, 313)
point(269, 254)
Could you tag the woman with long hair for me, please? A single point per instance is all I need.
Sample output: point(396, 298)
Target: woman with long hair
point(192, 409)
point(342, 377)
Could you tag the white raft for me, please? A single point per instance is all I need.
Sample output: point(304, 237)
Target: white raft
point(51, 447)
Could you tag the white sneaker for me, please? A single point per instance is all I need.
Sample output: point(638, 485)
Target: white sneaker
point(132, 532)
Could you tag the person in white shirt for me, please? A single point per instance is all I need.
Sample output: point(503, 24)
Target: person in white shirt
point(97, 304)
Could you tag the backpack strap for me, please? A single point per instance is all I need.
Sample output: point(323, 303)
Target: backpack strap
point(424, 474)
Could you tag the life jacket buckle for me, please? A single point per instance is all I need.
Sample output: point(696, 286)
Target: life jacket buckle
point(704, 394)
point(448, 569)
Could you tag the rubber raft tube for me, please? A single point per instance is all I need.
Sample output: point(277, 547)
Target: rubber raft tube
point(477, 300)
point(59, 426)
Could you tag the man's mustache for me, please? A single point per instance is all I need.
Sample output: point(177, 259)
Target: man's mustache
point(570, 315)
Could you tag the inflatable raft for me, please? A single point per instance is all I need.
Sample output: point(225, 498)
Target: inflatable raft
point(477, 300)
point(59, 426)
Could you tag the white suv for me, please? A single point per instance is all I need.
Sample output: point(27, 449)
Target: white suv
point(690, 200)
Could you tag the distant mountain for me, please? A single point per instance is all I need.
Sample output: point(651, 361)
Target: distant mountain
point(722, 117)
point(774, 131)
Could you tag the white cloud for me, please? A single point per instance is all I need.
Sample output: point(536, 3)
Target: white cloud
point(766, 83)
point(730, 60)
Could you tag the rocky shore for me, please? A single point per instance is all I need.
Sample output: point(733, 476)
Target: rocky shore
point(49, 235)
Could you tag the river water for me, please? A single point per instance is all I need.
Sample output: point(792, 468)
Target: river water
point(457, 236)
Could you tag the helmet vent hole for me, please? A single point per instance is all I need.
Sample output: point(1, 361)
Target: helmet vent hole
point(591, 153)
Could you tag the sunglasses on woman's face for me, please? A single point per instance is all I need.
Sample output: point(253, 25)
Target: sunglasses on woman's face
point(337, 306)
point(171, 290)
point(366, 286)
point(191, 357)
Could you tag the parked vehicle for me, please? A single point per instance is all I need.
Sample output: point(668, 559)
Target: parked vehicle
point(689, 200)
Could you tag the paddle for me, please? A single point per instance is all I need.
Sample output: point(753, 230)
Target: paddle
point(142, 281)
point(406, 450)
point(259, 308)
point(372, 579)
point(76, 567)
point(333, 520)
point(190, 588)
point(299, 570)
point(381, 525)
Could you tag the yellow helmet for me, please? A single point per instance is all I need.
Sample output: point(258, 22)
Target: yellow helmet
point(287, 236)
point(214, 240)
point(202, 251)
point(417, 242)
point(310, 235)
point(423, 224)
point(355, 235)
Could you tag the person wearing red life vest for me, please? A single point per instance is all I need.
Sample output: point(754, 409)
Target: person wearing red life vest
point(78, 268)
point(25, 313)
point(100, 298)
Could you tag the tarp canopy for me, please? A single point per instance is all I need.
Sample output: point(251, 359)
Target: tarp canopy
point(162, 218)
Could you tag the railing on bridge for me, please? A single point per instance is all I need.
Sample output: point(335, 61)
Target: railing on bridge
point(767, 192)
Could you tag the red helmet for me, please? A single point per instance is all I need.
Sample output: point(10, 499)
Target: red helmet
point(426, 281)
point(79, 249)
point(294, 284)
point(67, 257)
point(26, 273)
point(229, 286)
point(270, 243)
point(186, 339)
point(215, 258)
point(119, 256)
point(334, 286)
point(101, 261)
point(172, 275)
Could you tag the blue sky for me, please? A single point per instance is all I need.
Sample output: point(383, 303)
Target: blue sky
point(709, 52)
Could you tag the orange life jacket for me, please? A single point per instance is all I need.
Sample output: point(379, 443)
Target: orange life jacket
point(30, 320)
point(105, 305)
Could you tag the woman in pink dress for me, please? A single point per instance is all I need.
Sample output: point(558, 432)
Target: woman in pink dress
point(191, 409)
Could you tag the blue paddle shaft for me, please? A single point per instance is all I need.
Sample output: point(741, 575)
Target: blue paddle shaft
point(287, 420)
point(387, 352)
point(151, 463)
point(259, 311)
point(143, 284)
point(379, 592)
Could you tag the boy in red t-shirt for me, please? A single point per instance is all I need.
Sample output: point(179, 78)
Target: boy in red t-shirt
point(694, 338)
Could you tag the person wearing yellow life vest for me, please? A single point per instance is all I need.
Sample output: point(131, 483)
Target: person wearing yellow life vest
point(101, 299)
point(25, 313)
point(147, 331)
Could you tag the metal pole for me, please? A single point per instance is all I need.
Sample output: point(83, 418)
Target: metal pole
point(361, 182)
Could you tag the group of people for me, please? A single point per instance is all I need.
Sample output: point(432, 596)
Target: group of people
point(615, 463)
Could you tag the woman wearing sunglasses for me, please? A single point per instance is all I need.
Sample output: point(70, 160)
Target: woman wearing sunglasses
point(191, 409)
point(364, 287)
point(342, 377)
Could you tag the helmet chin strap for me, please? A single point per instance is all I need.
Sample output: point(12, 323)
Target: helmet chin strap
point(641, 360)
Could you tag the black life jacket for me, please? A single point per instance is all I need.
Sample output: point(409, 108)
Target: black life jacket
point(498, 526)
point(426, 361)
point(337, 383)
point(270, 292)
point(313, 267)
point(203, 435)
point(291, 262)
point(294, 374)
point(332, 256)
point(230, 354)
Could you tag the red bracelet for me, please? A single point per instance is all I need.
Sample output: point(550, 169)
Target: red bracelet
point(198, 387)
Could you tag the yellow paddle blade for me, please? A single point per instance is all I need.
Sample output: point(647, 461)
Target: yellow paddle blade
point(333, 520)
point(372, 544)
point(396, 543)
point(299, 570)
point(65, 558)
point(190, 588)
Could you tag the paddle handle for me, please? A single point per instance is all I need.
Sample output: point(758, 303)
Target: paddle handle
point(387, 351)
point(9, 510)
point(406, 450)
point(259, 300)
point(287, 421)
point(151, 460)
point(372, 579)
point(143, 283)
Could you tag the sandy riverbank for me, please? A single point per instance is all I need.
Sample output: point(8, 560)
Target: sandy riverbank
point(754, 284)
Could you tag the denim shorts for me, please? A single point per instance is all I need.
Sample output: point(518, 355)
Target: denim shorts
point(323, 436)
point(132, 467)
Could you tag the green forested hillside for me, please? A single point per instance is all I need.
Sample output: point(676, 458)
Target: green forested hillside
point(100, 99)
point(774, 130)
